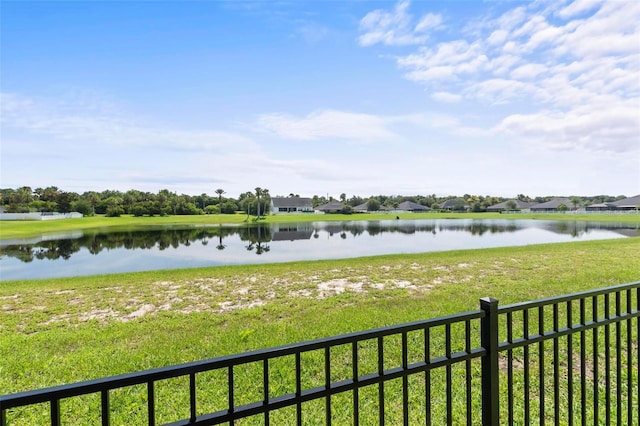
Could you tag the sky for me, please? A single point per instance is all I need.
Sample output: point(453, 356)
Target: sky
point(322, 97)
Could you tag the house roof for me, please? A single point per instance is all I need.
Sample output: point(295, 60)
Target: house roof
point(631, 202)
point(291, 202)
point(601, 206)
point(452, 203)
point(503, 205)
point(360, 207)
point(553, 204)
point(411, 206)
point(333, 205)
point(364, 207)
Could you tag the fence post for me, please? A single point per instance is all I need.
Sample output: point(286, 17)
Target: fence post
point(489, 341)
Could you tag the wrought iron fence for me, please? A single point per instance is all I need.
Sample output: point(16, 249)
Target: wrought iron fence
point(564, 360)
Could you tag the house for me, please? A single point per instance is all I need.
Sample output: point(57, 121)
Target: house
point(454, 204)
point(552, 206)
point(601, 207)
point(280, 205)
point(330, 207)
point(360, 208)
point(364, 208)
point(410, 206)
point(506, 205)
point(630, 203)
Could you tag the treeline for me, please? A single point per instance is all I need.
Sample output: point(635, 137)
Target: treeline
point(256, 202)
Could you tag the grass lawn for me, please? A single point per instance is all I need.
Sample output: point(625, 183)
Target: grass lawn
point(66, 330)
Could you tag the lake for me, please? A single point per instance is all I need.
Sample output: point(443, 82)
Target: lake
point(90, 253)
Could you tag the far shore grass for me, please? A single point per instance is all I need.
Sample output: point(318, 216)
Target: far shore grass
point(24, 229)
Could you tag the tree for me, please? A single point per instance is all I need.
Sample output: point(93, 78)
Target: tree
point(511, 205)
point(343, 198)
point(576, 201)
point(246, 201)
point(476, 207)
point(82, 206)
point(212, 209)
point(92, 197)
point(114, 211)
point(266, 197)
point(373, 205)
point(219, 191)
point(64, 201)
point(258, 194)
point(228, 207)
point(264, 193)
point(22, 197)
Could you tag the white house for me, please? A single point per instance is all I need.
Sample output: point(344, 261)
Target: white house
point(280, 205)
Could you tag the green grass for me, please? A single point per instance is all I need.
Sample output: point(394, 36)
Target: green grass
point(22, 229)
point(58, 331)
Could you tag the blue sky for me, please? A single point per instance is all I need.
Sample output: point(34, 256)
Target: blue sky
point(322, 97)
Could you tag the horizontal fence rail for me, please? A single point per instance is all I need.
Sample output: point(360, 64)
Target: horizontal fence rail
point(564, 360)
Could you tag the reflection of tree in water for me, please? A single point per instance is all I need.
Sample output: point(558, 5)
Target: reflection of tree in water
point(257, 236)
point(50, 250)
point(220, 245)
point(356, 229)
point(95, 243)
point(23, 253)
point(374, 228)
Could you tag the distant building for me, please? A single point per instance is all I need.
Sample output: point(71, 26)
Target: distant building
point(364, 208)
point(360, 208)
point(505, 205)
point(410, 206)
point(331, 207)
point(631, 203)
point(454, 204)
point(552, 206)
point(601, 207)
point(280, 205)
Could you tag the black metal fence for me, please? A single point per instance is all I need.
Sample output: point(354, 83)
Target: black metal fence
point(564, 360)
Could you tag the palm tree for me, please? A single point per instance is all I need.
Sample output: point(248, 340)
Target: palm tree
point(265, 195)
point(219, 192)
point(259, 192)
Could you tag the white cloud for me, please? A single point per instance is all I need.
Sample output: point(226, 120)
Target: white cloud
point(447, 61)
point(528, 71)
point(428, 22)
point(396, 27)
point(67, 120)
point(498, 37)
point(446, 97)
point(568, 71)
point(614, 128)
point(577, 7)
point(328, 124)
point(512, 19)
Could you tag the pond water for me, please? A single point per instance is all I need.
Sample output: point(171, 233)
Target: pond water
point(83, 253)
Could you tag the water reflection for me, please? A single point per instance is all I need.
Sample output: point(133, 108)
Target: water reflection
point(283, 242)
point(62, 247)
